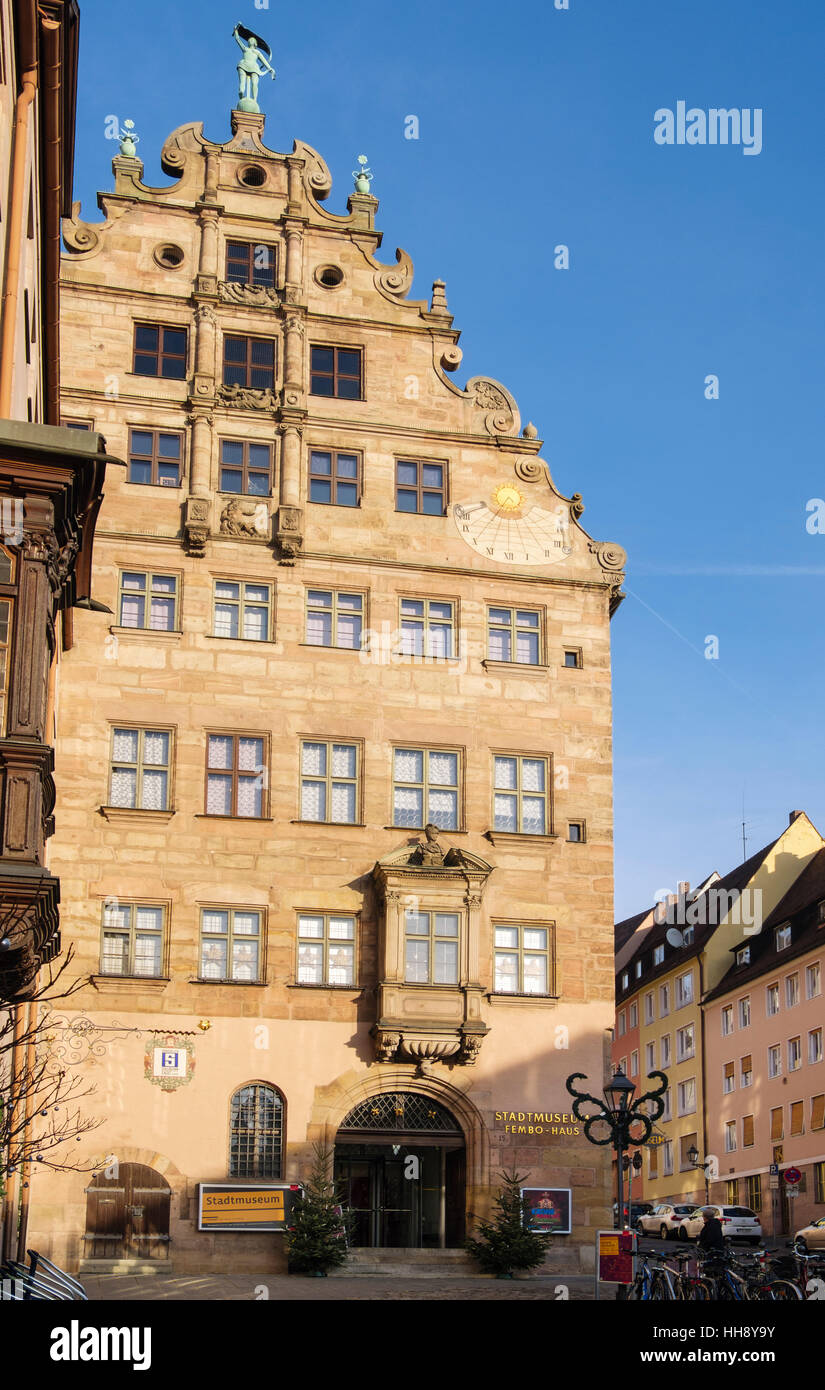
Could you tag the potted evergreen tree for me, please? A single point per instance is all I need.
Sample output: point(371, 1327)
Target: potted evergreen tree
point(507, 1244)
point(316, 1241)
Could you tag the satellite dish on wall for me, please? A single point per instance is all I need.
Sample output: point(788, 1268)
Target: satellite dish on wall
point(674, 937)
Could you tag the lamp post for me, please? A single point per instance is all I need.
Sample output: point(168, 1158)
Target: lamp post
point(615, 1113)
point(706, 1164)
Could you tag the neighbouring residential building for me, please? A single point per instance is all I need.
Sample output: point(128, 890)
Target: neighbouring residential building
point(670, 960)
point(335, 818)
point(765, 1063)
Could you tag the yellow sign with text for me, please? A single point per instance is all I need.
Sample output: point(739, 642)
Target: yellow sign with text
point(243, 1208)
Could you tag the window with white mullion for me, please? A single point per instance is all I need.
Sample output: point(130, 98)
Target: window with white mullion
point(425, 788)
point(132, 942)
point(427, 627)
point(521, 960)
point(140, 769)
point(241, 610)
point(520, 799)
point(326, 949)
point(513, 635)
point(431, 948)
point(230, 944)
point(329, 782)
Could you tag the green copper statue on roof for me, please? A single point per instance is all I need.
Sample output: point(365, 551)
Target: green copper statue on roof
point(255, 50)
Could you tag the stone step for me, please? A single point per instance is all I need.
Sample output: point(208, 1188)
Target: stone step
point(124, 1267)
point(410, 1263)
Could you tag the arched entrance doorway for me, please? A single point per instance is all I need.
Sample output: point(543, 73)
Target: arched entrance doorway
point(127, 1214)
point(400, 1168)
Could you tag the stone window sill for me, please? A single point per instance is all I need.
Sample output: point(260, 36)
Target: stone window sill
point(334, 824)
point(508, 837)
point(419, 829)
point(135, 815)
point(306, 984)
point(171, 636)
point(327, 647)
point(524, 668)
point(543, 999)
point(243, 820)
point(116, 981)
point(243, 984)
point(246, 641)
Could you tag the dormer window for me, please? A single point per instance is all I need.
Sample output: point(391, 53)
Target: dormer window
point(658, 955)
point(687, 936)
point(743, 955)
point(820, 913)
point(782, 937)
point(625, 980)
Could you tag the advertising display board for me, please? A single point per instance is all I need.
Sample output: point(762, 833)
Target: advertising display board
point(233, 1207)
point(550, 1209)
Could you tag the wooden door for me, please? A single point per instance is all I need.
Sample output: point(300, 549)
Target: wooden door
point(127, 1215)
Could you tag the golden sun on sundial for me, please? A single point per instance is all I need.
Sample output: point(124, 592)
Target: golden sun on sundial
point(506, 528)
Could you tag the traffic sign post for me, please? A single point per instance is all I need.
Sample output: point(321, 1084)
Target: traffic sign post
point(792, 1176)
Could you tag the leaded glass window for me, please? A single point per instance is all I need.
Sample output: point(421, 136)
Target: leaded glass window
point(425, 788)
point(431, 954)
point(522, 959)
point(329, 782)
point(132, 939)
point(140, 769)
point(235, 775)
point(326, 949)
point(520, 802)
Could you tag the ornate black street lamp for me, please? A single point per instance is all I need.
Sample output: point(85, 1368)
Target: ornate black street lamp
point(706, 1165)
point(614, 1116)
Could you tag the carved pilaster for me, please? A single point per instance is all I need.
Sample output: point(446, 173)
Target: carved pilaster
point(207, 281)
point(290, 534)
point(206, 325)
point(293, 275)
point(196, 525)
point(295, 183)
point(200, 479)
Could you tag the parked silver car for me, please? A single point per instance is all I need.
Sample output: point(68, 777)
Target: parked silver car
point(665, 1220)
point(738, 1223)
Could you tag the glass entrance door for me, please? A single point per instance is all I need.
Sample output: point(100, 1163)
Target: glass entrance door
point(400, 1195)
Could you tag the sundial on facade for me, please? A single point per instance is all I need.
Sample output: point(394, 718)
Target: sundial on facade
point(505, 526)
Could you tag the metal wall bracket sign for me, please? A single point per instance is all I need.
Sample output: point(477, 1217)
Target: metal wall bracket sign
point(235, 1207)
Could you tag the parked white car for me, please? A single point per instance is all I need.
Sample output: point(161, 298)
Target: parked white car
point(665, 1220)
point(738, 1223)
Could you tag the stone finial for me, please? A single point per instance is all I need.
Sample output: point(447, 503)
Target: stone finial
point(129, 140)
point(438, 303)
point(363, 176)
point(530, 431)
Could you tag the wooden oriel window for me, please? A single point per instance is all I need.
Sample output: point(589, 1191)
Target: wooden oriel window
point(235, 775)
point(155, 457)
point(777, 1128)
point(230, 944)
point(159, 351)
point(523, 959)
point(326, 948)
point(747, 1131)
point(334, 619)
point(241, 610)
point(246, 467)
point(336, 371)
point(334, 477)
point(250, 263)
point(148, 601)
point(431, 947)
point(520, 795)
point(256, 1130)
point(140, 769)
point(132, 939)
point(420, 487)
point(249, 362)
point(329, 782)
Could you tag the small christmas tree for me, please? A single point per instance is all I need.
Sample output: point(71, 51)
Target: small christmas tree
point(506, 1242)
point(317, 1239)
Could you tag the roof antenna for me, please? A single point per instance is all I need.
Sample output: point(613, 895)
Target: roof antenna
point(744, 836)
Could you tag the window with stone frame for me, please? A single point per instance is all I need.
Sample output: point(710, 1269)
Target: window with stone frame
point(231, 944)
point(160, 350)
point(249, 362)
point(521, 797)
point(256, 1132)
point(334, 477)
point(428, 627)
point(132, 939)
point(140, 769)
point(326, 948)
point(514, 635)
point(148, 601)
point(420, 487)
point(334, 619)
point(155, 457)
point(336, 371)
point(431, 953)
point(246, 467)
point(523, 958)
point(250, 263)
point(426, 788)
point(235, 775)
point(330, 781)
point(241, 610)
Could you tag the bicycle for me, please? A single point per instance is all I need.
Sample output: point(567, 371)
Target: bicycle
point(652, 1283)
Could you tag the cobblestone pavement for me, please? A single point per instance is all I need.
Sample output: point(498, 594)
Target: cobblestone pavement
point(125, 1288)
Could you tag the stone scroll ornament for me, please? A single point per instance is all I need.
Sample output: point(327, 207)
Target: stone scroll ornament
point(634, 1115)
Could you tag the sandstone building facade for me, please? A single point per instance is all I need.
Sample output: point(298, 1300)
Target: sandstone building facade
point(335, 780)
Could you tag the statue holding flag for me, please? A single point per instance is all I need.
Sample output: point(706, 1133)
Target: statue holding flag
point(254, 51)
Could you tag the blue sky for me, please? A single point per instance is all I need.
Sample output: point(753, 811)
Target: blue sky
point(536, 129)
